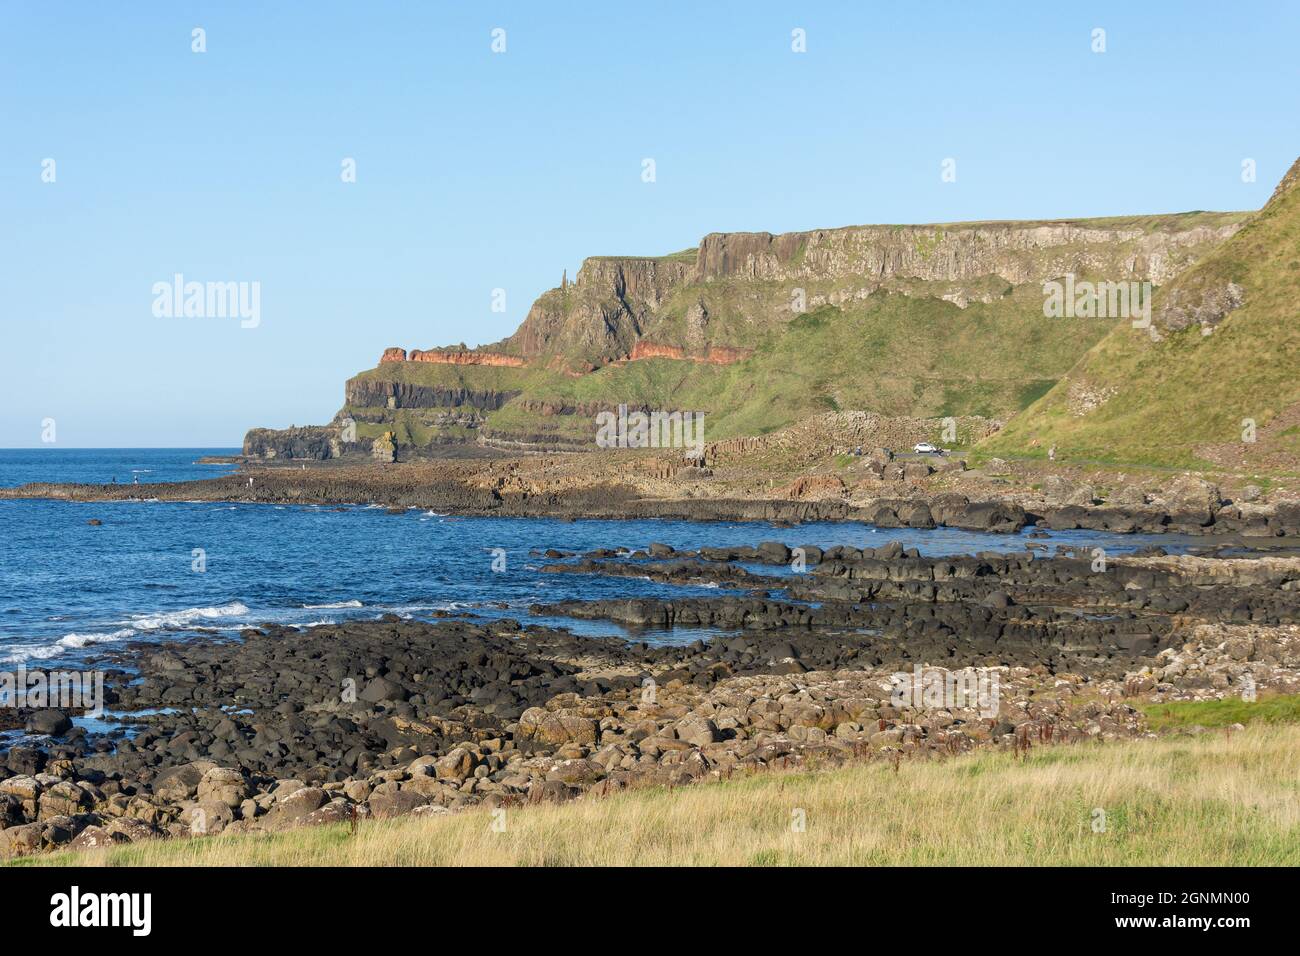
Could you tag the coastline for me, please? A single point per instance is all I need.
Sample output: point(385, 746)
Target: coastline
point(289, 727)
point(632, 486)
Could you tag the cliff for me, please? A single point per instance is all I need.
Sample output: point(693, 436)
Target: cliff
point(1017, 252)
point(458, 357)
point(1211, 381)
point(761, 329)
point(601, 315)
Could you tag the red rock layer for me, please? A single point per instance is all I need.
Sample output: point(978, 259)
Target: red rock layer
point(451, 358)
point(716, 355)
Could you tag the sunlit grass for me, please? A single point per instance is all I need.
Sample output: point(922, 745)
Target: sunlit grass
point(1214, 799)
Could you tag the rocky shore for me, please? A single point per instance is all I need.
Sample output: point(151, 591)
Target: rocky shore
point(637, 486)
point(816, 652)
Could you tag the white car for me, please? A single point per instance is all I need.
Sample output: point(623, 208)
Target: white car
point(925, 448)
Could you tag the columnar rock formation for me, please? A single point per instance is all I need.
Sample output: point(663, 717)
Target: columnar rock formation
point(617, 303)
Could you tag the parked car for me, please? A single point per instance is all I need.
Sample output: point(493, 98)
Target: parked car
point(925, 448)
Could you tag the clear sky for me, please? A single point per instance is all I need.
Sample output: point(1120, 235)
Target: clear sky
point(478, 170)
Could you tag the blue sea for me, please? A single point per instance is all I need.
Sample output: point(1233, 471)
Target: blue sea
point(161, 571)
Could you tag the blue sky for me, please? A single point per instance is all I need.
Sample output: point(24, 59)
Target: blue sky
point(478, 171)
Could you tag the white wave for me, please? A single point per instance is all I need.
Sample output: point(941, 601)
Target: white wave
point(32, 653)
point(336, 604)
point(153, 622)
point(66, 642)
point(83, 640)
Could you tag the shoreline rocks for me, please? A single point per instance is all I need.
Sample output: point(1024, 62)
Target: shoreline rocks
point(335, 723)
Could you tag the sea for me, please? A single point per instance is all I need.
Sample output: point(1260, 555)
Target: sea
point(161, 571)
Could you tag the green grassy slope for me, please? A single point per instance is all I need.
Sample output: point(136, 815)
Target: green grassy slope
point(892, 354)
point(1181, 401)
point(905, 349)
point(889, 353)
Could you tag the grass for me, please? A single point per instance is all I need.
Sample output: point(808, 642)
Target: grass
point(1177, 715)
point(893, 354)
point(1214, 799)
point(1174, 400)
point(901, 351)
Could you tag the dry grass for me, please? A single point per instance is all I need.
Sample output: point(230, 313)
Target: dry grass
point(1209, 800)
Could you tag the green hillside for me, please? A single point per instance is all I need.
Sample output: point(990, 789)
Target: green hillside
point(1185, 396)
point(892, 354)
point(759, 331)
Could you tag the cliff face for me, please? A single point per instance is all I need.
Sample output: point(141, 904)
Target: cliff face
point(1016, 252)
point(376, 393)
point(446, 357)
point(601, 315)
point(715, 305)
point(310, 442)
point(625, 307)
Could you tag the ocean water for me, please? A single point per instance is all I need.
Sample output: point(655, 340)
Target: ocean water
point(163, 571)
point(102, 465)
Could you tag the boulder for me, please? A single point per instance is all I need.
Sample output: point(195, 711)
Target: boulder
point(387, 804)
point(773, 552)
point(576, 772)
point(382, 689)
point(25, 789)
point(292, 810)
point(1130, 496)
point(132, 830)
point(96, 837)
point(64, 799)
point(54, 723)
point(181, 783)
point(1191, 500)
point(207, 817)
point(225, 786)
point(546, 727)
point(698, 731)
point(456, 765)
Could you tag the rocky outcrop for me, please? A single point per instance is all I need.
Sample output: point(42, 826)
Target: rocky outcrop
point(713, 355)
point(451, 357)
point(384, 449)
point(1016, 252)
point(310, 442)
point(381, 393)
point(603, 313)
point(1206, 305)
point(458, 357)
